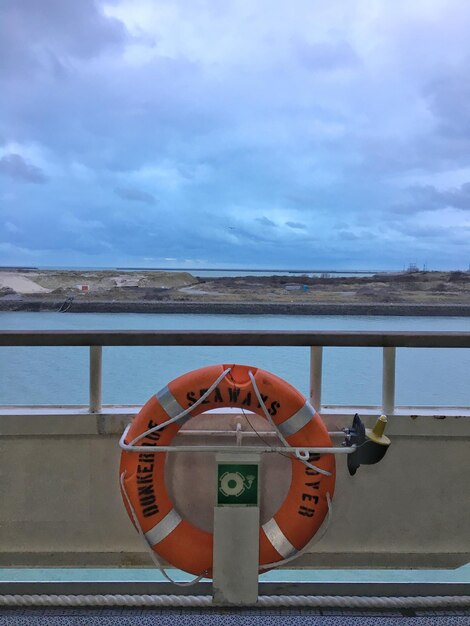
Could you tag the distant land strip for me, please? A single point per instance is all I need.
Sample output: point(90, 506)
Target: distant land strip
point(214, 270)
point(239, 308)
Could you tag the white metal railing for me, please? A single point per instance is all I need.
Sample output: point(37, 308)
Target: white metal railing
point(388, 341)
point(96, 375)
point(390, 529)
point(388, 378)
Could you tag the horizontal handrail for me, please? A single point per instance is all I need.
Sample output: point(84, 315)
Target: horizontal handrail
point(399, 339)
point(316, 340)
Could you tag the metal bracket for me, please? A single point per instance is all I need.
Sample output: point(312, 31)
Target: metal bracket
point(237, 448)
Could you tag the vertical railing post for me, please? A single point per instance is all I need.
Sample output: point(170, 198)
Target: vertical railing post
point(95, 378)
point(388, 380)
point(316, 364)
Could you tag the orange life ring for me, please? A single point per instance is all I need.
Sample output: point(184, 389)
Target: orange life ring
point(301, 514)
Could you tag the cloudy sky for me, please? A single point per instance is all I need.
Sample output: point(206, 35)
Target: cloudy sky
point(300, 134)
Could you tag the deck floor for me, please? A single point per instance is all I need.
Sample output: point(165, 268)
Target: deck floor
point(228, 617)
point(127, 616)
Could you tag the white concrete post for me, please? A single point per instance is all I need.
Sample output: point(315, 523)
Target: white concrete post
point(388, 381)
point(95, 378)
point(316, 364)
point(236, 535)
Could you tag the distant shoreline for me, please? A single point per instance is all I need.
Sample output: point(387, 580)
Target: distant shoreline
point(240, 308)
point(195, 270)
point(415, 294)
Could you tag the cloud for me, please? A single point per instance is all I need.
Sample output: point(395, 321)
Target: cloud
point(337, 113)
point(11, 228)
point(448, 96)
point(265, 221)
point(446, 229)
point(458, 198)
point(41, 35)
point(326, 56)
point(424, 198)
point(297, 225)
point(347, 235)
point(135, 195)
point(14, 166)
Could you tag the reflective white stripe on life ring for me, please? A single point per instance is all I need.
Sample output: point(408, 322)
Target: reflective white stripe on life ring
point(170, 404)
point(297, 421)
point(278, 539)
point(164, 527)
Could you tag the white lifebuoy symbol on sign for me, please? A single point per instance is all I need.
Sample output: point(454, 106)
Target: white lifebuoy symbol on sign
point(232, 484)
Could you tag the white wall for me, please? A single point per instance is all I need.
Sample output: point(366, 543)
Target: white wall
point(61, 504)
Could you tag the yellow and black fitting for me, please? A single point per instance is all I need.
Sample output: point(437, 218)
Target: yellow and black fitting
point(371, 443)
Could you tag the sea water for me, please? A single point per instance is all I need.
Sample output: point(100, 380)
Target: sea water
point(351, 376)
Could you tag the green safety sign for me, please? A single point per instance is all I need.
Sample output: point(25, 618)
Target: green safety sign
point(237, 483)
